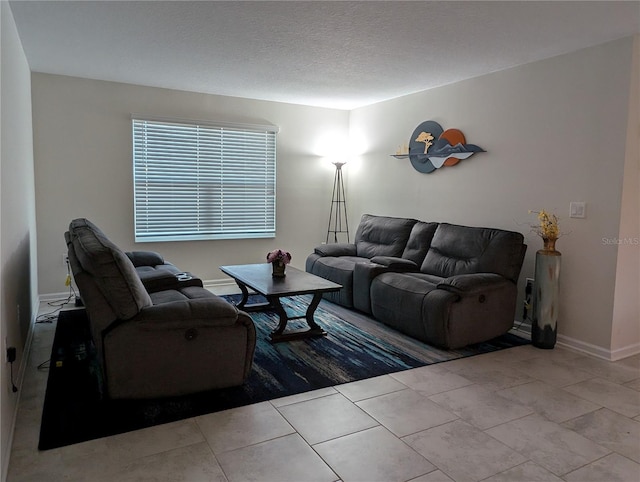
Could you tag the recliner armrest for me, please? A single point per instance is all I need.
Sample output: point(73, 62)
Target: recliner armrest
point(395, 264)
point(145, 258)
point(468, 284)
point(336, 249)
point(158, 279)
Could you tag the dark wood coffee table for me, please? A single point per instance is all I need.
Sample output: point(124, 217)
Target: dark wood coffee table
point(258, 278)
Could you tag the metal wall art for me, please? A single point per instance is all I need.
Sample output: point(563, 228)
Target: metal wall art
point(431, 147)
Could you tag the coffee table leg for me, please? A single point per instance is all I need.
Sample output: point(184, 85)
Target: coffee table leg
point(311, 310)
point(279, 334)
point(282, 314)
point(245, 295)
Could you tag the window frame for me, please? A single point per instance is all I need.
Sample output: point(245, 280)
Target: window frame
point(183, 179)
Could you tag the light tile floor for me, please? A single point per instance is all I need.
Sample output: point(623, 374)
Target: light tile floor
point(520, 414)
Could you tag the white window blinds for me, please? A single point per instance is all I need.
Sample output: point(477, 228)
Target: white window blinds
point(195, 181)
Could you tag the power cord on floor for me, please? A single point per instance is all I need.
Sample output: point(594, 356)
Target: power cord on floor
point(14, 389)
point(518, 326)
point(525, 311)
point(52, 316)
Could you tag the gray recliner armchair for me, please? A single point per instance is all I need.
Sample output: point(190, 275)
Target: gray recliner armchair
point(178, 340)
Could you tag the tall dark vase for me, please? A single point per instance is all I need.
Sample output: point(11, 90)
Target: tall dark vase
point(546, 300)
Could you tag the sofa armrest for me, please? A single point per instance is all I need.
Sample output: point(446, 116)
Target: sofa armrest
point(145, 258)
point(364, 274)
point(395, 264)
point(470, 284)
point(336, 249)
point(162, 279)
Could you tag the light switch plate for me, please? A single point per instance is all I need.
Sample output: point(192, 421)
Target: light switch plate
point(577, 209)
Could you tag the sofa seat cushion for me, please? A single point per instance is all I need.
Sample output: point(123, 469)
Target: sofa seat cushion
point(187, 293)
point(110, 267)
point(430, 278)
point(397, 299)
point(202, 305)
point(167, 296)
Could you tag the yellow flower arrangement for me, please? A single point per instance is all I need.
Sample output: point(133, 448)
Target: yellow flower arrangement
point(547, 228)
point(548, 225)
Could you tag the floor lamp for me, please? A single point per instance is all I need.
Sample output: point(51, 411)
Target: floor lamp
point(338, 214)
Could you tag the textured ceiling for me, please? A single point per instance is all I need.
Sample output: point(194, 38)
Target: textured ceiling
point(323, 53)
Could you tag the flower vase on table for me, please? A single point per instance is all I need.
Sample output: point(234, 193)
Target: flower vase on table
point(279, 260)
point(278, 269)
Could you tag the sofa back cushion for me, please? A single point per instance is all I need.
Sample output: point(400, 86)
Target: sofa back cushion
point(465, 250)
point(110, 267)
point(419, 242)
point(382, 236)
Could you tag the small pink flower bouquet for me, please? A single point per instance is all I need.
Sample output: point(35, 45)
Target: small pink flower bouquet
point(279, 255)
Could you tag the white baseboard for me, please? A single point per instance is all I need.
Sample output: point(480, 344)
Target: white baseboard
point(581, 346)
point(625, 352)
point(219, 283)
point(598, 351)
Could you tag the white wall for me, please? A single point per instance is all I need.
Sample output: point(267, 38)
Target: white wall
point(18, 293)
point(82, 139)
point(626, 312)
point(554, 132)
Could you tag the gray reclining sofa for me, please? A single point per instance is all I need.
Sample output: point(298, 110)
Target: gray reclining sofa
point(168, 339)
point(444, 284)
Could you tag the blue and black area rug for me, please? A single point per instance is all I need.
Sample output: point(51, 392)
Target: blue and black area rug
point(355, 348)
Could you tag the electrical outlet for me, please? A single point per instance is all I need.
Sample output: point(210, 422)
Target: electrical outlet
point(65, 260)
point(528, 287)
